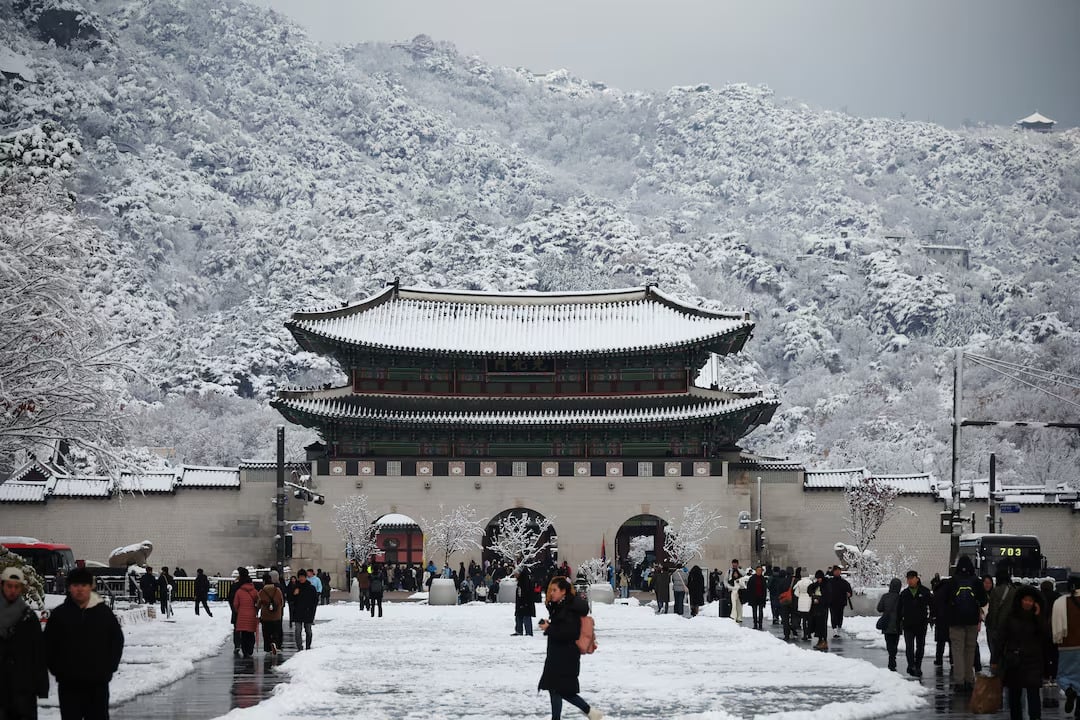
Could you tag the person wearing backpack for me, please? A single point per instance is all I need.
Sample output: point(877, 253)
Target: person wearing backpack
point(271, 609)
point(964, 597)
point(562, 664)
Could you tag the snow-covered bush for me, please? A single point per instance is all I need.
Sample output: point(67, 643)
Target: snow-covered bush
point(684, 539)
point(518, 539)
point(455, 531)
point(595, 570)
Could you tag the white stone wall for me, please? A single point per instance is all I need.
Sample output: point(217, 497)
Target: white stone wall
point(216, 529)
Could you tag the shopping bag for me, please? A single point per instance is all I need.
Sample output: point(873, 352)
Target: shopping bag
point(1050, 695)
point(986, 697)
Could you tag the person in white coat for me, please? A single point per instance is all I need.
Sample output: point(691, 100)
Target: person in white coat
point(737, 587)
point(803, 601)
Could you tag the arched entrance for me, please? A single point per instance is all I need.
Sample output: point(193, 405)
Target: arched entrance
point(400, 540)
point(530, 524)
point(638, 544)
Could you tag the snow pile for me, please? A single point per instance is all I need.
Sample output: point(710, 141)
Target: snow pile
point(649, 666)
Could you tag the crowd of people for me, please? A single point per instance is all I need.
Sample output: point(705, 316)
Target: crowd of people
point(1033, 632)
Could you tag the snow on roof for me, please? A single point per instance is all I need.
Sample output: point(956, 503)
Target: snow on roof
point(194, 476)
point(914, 484)
point(81, 487)
point(12, 63)
point(12, 491)
point(519, 323)
point(395, 519)
point(46, 470)
point(147, 482)
point(833, 479)
point(979, 489)
point(1036, 117)
point(334, 408)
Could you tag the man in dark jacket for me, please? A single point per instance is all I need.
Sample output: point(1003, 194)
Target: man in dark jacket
point(964, 598)
point(202, 591)
point(148, 585)
point(778, 583)
point(84, 644)
point(757, 592)
point(915, 611)
point(165, 589)
point(304, 600)
point(524, 604)
point(24, 676)
point(839, 597)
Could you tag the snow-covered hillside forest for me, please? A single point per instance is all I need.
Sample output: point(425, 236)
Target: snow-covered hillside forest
point(227, 171)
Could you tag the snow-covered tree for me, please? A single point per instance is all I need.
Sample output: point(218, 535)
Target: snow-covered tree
point(640, 545)
point(518, 539)
point(59, 376)
point(355, 522)
point(595, 570)
point(870, 502)
point(685, 538)
point(34, 590)
point(455, 531)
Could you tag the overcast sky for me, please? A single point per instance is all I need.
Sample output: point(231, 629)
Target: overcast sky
point(991, 61)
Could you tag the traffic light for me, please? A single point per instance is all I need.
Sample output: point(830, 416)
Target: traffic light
point(288, 546)
point(759, 539)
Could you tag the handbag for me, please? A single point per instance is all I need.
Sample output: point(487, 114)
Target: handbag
point(882, 623)
point(986, 697)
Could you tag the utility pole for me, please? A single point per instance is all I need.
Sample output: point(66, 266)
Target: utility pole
point(279, 544)
point(991, 501)
point(958, 392)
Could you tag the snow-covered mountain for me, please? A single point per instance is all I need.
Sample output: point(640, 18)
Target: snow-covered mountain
point(239, 171)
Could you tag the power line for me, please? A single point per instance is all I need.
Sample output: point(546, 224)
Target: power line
point(1047, 375)
point(977, 360)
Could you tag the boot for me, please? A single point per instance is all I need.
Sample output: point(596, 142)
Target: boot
point(821, 645)
point(1070, 700)
point(595, 714)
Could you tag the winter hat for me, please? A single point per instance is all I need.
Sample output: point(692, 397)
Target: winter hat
point(13, 573)
point(819, 575)
point(911, 574)
point(80, 576)
point(964, 565)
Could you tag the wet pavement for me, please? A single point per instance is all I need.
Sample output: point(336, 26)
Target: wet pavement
point(219, 684)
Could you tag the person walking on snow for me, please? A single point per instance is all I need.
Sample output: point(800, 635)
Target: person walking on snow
point(562, 664)
point(695, 587)
point(202, 591)
point(889, 622)
point(1021, 642)
point(524, 604)
point(964, 598)
point(839, 597)
point(165, 590)
point(757, 594)
point(678, 588)
point(916, 611)
point(245, 603)
point(305, 601)
point(84, 644)
point(271, 608)
point(24, 675)
point(1065, 631)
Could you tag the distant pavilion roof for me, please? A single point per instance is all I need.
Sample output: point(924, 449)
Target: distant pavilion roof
point(1036, 118)
point(523, 323)
point(659, 409)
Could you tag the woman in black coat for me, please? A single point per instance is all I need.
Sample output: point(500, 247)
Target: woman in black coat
point(563, 662)
point(1020, 646)
point(695, 586)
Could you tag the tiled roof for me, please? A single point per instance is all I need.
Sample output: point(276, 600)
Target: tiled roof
point(81, 487)
point(194, 476)
point(13, 491)
point(345, 410)
point(1036, 117)
point(832, 479)
point(914, 484)
point(520, 323)
point(160, 482)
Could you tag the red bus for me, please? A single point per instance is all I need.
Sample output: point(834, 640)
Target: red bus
point(48, 559)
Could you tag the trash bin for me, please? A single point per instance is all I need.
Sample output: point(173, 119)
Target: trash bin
point(211, 595)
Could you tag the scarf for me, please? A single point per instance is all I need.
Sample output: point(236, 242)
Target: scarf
point(10, 615)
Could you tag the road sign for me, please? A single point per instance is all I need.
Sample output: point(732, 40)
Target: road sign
point(300, 527)
point(1009, 508)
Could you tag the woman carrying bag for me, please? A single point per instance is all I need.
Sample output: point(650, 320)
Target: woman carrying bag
point(562, 665)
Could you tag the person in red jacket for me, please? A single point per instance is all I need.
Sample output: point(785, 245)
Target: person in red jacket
point(246, 604)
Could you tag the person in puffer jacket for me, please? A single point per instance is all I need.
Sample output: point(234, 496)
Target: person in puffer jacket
point(888, 606)
point(246, 604)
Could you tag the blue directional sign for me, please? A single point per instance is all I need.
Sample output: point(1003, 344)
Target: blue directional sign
point(300, 527)
point(1009, 508)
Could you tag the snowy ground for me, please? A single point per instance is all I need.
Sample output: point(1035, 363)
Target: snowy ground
point(460, 662)
point(159, 652)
